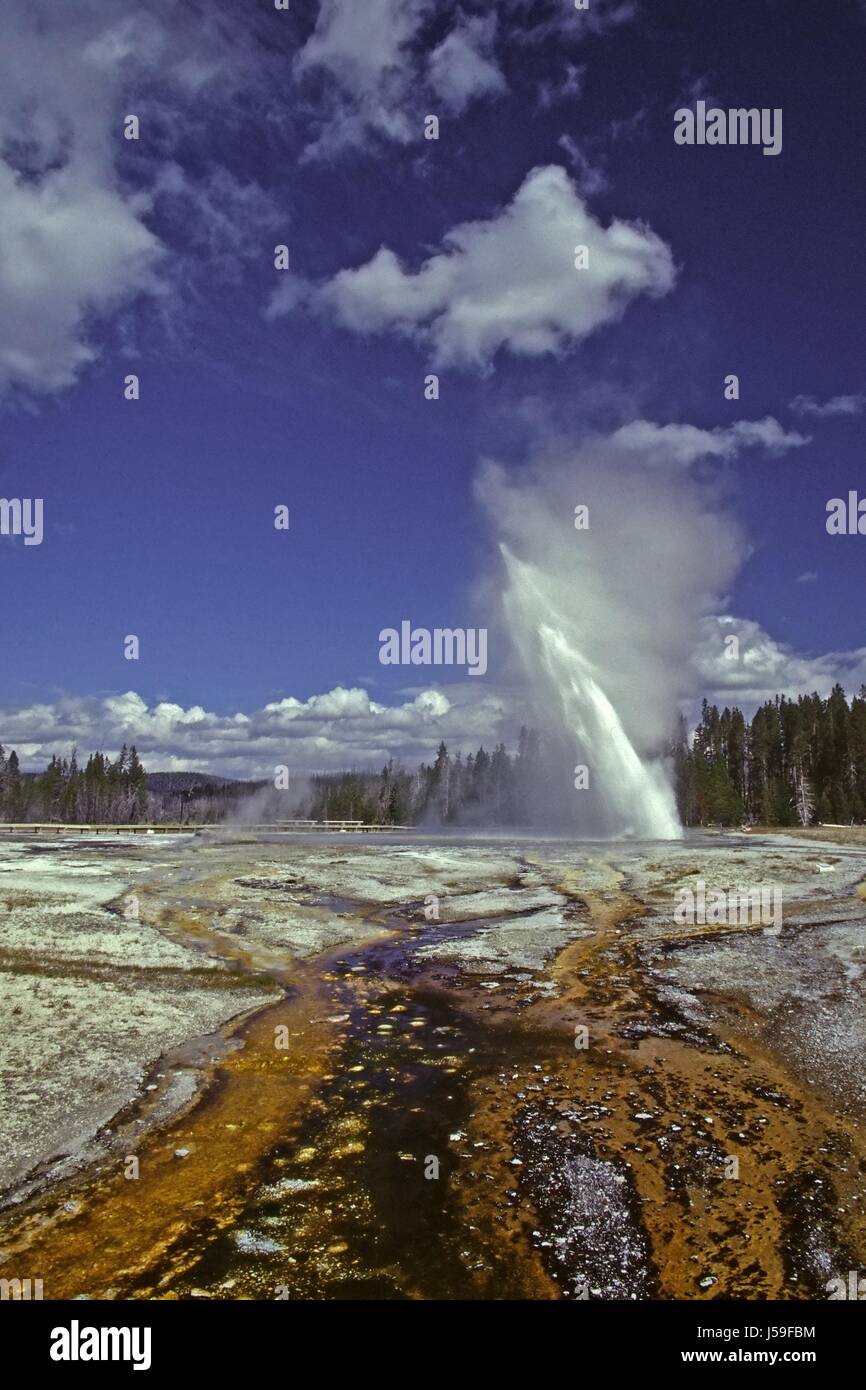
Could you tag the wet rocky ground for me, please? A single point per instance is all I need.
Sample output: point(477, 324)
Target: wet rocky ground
point(500, 1068)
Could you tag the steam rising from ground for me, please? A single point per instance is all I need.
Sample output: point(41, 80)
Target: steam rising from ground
point(604, 620)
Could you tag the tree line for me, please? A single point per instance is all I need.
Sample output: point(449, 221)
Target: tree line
point(103, 791)
point(485, 788)
point(797, 762)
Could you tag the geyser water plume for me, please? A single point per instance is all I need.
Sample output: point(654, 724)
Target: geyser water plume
point(618, 548)
point(626, 796)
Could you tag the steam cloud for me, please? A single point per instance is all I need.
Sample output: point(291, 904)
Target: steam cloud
point(604, 621)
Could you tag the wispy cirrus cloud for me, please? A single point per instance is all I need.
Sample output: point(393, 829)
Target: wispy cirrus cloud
point(364, 66)
point(836, 406)
point(361, 57)
point(533, 21)
point(589, 177)
point(463, 66)
point(682, 444)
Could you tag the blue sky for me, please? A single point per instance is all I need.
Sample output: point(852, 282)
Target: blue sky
point(306, 387)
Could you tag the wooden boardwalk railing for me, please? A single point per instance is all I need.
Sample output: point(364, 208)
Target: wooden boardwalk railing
point(61, 828)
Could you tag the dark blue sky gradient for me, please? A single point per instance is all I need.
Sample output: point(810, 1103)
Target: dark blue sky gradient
point(159, 513)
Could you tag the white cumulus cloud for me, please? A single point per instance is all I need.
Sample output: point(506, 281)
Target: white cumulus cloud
point(77, 243)
point(760, 667)
point(507, 282)
point(336, 729)
point(69, 247)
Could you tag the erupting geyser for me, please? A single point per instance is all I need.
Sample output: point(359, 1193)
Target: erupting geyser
point(626, 795)
point(617, 548)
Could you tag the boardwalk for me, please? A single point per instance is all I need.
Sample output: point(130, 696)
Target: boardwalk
point(282, 826)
